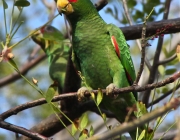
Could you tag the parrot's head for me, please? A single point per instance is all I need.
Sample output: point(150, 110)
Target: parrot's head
point(74, 7)
point(46, 36)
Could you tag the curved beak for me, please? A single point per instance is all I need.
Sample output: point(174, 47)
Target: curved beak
point(64, 6)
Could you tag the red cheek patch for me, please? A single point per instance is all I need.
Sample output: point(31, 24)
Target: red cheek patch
point(42, 29)
point(72, 0)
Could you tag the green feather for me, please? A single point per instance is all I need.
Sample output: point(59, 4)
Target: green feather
point(96, 58)
point(54, 45)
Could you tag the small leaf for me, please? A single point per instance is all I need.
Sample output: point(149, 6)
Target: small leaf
point(178, 51)
point(74, 129)
point(142, 135)
point(5, 4)
point(170, 71)
point(161, 70)
point(165, 90)
point(92, 95)
point(104, 116)
point(22, 3)
point(83, 121)
point(11, 61)
point(91, 132)
point(50, 93)
point(141, 109)
point(99, 97)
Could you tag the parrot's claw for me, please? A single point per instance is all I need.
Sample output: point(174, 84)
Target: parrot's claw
point(81, 92)
point(109, 89)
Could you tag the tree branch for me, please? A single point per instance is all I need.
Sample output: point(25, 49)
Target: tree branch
point(134, 32)
point(154, 67)
point(125, 127)
point(21, 130)
point(163, 96)
point(101, 4)
point(167, 60)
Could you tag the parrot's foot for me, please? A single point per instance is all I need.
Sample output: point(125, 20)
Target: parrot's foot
point(81, 92)
point(109, 90)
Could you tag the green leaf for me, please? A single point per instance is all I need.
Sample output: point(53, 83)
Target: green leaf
point(91, 132)
point(161, 70)
point(141, 109)
point(142, 135)
point(5, 4)
point(92, 95)
point(99, 97)
point(74, 129)
point(83, 121)
point(170, 71)
point(11, 61)
point(104, 116)
point(165, 89)
point(50, 93)
point(22, 3)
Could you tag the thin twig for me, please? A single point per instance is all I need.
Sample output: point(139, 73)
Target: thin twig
point(167, 60)
point(143, 46)
point(30, 64)
point(101, 4)
point(126, 11)
point(51, 7)
point(153, 71)
point(126, 127)
point(21, 130)
point(163, 96)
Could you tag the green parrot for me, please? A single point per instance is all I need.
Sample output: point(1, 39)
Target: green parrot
point(53, 44)
point(100, 52)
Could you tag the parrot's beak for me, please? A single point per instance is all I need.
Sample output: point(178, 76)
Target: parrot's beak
point(64, 7)
point(36, 36)
point(35, 33)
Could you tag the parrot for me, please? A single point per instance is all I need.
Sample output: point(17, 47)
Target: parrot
point(51, 40)
point(101, 54)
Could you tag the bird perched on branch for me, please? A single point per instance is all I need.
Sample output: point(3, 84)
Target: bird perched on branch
point(102, 55)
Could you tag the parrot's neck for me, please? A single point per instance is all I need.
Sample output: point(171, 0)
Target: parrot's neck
point(82, 22)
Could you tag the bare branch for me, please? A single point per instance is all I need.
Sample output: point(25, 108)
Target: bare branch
point(21, 130)
point(163, 96)
point(134, 32)
point(167, 60)
point(154, 67)
point(101, 4)
point(143, 48)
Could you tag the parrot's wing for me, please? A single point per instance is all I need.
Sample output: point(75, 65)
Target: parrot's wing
point(122, 50)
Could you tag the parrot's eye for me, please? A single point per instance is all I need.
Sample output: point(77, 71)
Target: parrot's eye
point(72, 0)
point(49, 28)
